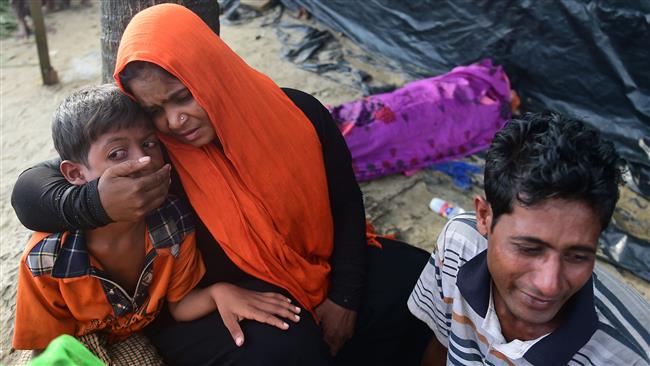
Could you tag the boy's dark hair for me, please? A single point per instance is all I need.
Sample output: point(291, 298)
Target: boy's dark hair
point(547, 155)
point(89, 113)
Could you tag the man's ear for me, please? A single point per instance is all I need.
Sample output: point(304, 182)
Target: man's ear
point(483, 215)
point(73, 172)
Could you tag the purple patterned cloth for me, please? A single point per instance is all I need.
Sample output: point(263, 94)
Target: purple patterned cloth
point(426, 121)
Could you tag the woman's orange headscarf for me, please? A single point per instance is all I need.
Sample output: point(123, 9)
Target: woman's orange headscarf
point(264, 198)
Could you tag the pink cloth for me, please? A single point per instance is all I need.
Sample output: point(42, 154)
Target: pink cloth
point(426, 121)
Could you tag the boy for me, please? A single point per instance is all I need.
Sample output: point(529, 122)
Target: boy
point(115, 278)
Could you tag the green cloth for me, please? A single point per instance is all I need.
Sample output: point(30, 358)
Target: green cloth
point(66, 350)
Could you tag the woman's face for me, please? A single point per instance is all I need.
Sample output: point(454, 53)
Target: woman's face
point(172, 108)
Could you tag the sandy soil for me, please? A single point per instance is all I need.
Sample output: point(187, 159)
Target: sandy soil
point(396, 204)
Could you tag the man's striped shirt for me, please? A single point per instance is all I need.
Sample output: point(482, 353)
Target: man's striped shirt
point(606, 322)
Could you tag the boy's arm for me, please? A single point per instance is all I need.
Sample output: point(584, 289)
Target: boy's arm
point(234, 304)
point(197, 303)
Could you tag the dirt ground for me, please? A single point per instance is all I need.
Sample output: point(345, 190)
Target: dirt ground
point(395, 204)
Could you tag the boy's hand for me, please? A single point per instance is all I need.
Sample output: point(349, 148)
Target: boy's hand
point(236, 303)
point(337, 323)
point(130, 190)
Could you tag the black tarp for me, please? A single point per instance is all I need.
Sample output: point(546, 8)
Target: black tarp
point(587, 59)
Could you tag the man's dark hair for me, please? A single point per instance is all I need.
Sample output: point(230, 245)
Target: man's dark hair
point(546, 155)
point(89, 113)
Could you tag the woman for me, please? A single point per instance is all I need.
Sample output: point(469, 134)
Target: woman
point(270, 179)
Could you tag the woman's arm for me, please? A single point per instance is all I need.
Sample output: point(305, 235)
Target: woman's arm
point(45, 201)
point(348, 260)
point(347, 279)
point(349, 257)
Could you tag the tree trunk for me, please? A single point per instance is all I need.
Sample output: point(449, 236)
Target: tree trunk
point(116, 14)
point(48, 73)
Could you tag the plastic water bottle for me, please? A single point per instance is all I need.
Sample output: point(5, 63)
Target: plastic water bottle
point(444, 208)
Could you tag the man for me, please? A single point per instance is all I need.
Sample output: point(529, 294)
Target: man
point(515, 284)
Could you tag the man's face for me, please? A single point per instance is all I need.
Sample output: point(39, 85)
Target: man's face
point(118, 146)
point(539, 257)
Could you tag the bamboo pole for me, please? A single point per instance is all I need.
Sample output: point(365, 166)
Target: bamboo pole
point(48, 73)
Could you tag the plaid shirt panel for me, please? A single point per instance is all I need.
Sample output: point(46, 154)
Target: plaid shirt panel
point(167, 227)
point(73, 259)
point(69, 259)
point(169, 224)
point(41, 258)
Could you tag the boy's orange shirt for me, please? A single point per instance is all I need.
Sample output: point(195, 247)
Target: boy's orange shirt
point(63, 290)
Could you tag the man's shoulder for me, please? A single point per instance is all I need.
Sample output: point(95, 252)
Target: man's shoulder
point(623, 317)
point(435, 292)
point(169, 224)
point(460, 239)
point(458, 242)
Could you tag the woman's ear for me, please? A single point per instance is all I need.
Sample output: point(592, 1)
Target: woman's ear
point(483, 215)
point(73, 172)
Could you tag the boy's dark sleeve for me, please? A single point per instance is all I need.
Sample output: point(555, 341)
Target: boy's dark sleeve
point(45, 201)
point(348, 259)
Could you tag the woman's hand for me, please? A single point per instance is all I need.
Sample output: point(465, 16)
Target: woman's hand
point(130, 190)
point(337, 323)
point(235, 304)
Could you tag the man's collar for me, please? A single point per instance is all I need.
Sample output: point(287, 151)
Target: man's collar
point(473, 281)
point(579, 324)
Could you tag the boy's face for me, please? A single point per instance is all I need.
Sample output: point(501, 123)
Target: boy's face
point(539, 257)
point(115, 147)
